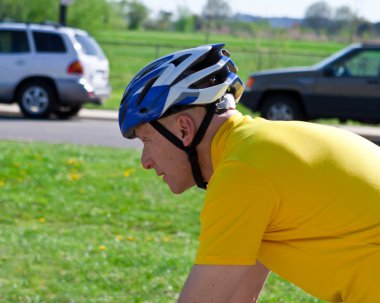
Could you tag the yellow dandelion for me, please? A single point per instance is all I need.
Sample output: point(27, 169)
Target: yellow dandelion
point(74, 176)
point(128, 172)
point(2, 183)
point(16, 164)
point(42, 220)
point(149, 238)
point(165, 239)
point(118, 238)
point(102, 248)
point(131, 238)
point(72, 162)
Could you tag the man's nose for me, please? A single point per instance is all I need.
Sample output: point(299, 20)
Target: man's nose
point(146, 160)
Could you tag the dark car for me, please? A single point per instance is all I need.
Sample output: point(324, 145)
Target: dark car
point(345, 85)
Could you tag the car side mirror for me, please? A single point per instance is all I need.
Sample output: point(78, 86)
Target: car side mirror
point(329, 71)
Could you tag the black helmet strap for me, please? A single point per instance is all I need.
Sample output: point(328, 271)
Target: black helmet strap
point(191, 150)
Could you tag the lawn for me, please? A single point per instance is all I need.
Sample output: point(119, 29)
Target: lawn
point(88, 224)
point(128, 51)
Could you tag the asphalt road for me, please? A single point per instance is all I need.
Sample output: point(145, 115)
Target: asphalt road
point(98, 132)
point(96, 127)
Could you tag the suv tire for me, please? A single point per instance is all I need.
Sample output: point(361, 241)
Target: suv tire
point(36, 99)
point(281, 107)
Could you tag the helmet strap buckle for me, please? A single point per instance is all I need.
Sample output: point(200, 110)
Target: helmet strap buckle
point(225, 103)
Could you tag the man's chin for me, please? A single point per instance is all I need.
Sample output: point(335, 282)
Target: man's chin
point(178, 189)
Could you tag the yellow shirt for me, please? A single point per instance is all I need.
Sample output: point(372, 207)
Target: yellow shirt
point(302, 198)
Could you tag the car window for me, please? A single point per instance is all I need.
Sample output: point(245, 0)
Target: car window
point(363, 64)
point(89, 46)
point(48, 42)
point(13, 41)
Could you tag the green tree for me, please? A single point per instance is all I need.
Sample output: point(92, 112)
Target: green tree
point(185, 21)
point(164, 20)
point(365, 29)
point(29, 11)
point(318, 16)
point(215, 11)
point(345, 22)
point(135, 12)
point(91, 14)
point(86, 14)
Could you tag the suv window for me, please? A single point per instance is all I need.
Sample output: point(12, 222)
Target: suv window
point(363, 64)
point(89, 46)
point(13, 41)
point(48, 42)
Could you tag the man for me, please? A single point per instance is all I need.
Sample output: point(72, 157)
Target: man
point(300, 199)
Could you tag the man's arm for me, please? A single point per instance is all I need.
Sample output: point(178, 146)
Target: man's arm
point(224, 283)
point(251, 285)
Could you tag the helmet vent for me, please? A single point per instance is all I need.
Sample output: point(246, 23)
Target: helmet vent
point(147, 87)
point(180, 59)
point(211, 80)
point(143, 110)
point(154, 65)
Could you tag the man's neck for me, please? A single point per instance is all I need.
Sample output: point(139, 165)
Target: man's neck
point(204, 148)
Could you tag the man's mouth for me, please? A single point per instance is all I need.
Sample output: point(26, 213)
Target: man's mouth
point(162, 175)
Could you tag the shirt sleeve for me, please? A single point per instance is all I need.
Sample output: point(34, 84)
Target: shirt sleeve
point(238, 208)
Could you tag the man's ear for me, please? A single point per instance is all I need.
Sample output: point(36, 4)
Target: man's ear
point(186, 129)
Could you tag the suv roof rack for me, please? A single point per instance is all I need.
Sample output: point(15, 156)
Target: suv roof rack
point(52, 23)
point(370, 44)
point(46, 22)
point(7, 20)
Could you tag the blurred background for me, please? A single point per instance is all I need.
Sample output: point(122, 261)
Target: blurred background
point(84, 223)
point(259, 34)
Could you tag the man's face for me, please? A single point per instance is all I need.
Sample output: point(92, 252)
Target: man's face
point(165, 158)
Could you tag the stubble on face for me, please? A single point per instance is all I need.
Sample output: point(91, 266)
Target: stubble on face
point(165, 158)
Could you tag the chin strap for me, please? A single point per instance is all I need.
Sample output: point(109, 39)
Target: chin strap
point(191, 150)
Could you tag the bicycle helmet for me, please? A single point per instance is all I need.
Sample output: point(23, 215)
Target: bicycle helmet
point(204, 75)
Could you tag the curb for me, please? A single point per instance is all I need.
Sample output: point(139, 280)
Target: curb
point(371, 133)
point(104, 114)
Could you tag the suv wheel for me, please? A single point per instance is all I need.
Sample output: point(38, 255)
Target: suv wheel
point(281, 107)
point(36, 99)
point(67, 111)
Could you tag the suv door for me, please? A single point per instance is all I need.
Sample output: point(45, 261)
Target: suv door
point(51, 57)
point(14, 60)
point(350, 87)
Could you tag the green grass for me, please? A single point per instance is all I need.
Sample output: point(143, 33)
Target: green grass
point(129, 51)
point(88, 224)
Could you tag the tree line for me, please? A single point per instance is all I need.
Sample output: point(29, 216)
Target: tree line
point(320, 19)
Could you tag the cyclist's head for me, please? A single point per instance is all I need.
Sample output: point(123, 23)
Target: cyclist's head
point(201, 76)
point(196, 76)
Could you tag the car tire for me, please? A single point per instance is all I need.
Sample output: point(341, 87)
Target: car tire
point(36, 99)
point(67, 111)
point(281, 107)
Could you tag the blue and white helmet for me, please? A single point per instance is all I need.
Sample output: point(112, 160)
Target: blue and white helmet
point(193, 76)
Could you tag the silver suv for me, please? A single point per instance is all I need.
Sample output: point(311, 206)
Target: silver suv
point(51, 69)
